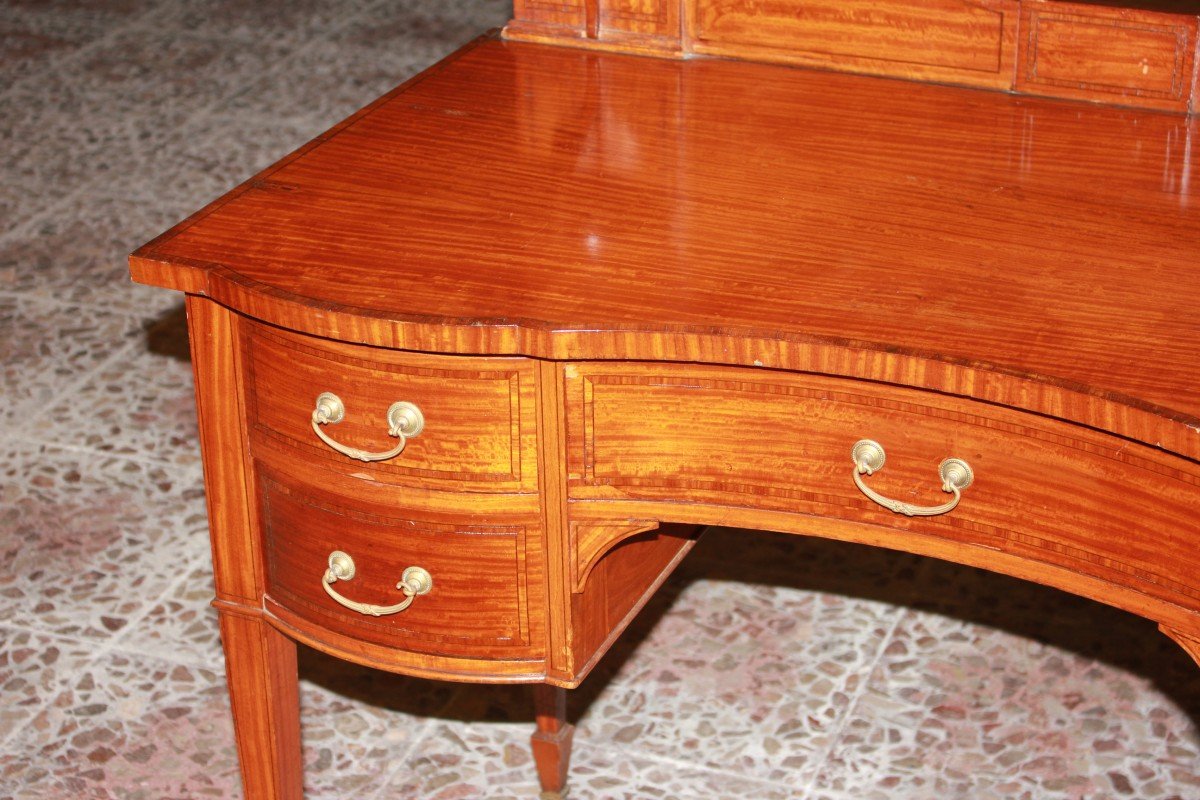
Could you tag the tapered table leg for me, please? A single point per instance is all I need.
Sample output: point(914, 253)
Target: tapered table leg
point(551, 741)
point(260, 664)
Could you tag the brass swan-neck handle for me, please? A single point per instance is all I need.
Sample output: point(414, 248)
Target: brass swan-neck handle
point(405, 421)
point(869, 458)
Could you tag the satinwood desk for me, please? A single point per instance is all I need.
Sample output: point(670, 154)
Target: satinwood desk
point(470, 363)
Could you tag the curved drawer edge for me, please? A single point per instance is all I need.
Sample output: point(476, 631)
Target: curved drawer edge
point(402, 662)
point(1152, 602)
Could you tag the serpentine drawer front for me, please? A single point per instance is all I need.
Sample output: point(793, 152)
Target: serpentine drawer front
point(477, 430)
point(475, 601)
point(730, 436)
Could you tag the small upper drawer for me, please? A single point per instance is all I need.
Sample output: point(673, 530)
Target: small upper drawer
point(479, 431)
point(1095, 52)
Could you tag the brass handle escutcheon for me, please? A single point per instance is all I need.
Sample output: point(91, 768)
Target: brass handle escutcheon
point(868, 458)
point(414, 581)
point(405, 420)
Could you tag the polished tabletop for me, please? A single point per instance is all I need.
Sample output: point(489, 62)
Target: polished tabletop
point(546, 201)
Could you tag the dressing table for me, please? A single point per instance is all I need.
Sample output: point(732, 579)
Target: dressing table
point(474, 366)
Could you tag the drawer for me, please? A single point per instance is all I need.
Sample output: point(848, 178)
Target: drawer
point(757, 439)
point(972, 43)
point(476, 603)
point(479, 430)
point(1108, 54)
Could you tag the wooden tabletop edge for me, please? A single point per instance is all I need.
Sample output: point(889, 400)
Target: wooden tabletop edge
point(996, 384)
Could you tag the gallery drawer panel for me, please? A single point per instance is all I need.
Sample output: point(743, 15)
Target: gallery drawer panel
point(478, 433)
point(1094, 52)
point(958, 41)
point(475, 600)
point(766, 440)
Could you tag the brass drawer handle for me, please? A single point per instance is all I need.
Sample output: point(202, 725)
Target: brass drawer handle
point(413, 581)
point(405, 420)
point(869, 457)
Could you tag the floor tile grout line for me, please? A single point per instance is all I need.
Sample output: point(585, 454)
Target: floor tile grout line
point(25, 628)
point(180, 470)
point(100, 650)
point(66, 59)
point(425, 728)
point(819, 763)
point(79, 380)
point(115, 648)
point(145, 20)
point(135, 620)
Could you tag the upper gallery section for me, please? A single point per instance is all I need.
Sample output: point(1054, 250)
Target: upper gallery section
point(1123, 52)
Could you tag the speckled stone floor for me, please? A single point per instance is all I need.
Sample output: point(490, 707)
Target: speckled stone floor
point(769, 667)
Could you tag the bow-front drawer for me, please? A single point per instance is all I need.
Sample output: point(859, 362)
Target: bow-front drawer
point(417, 580)
point(923, 471)
point(385, 415)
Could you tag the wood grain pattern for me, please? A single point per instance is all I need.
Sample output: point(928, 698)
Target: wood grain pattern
point(958, 41)
point(1025, 253)
point(260, 663)
point(555, 17)
point(742, 437)
point(478, 602)
point(237, 557)
point(260, 668)
point(647, 24)
point(633, 26)
point(591, 540)
point(552, 475)
point(479, 435)
point(493, 669)
point(1088, 51)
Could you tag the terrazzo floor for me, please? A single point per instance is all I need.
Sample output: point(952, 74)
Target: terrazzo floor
point(769, 666)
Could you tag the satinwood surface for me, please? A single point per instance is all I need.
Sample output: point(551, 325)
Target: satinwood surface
point(562, 203)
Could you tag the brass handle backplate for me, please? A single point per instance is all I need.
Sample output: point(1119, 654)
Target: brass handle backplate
point(413, 581)
point(405, 421)
point(869, 457)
